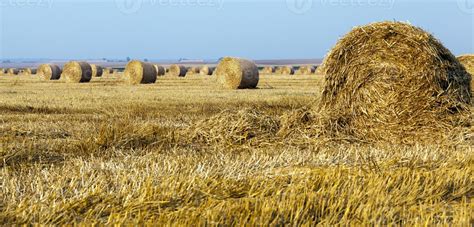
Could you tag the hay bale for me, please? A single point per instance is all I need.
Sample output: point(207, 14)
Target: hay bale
point(107, 71)
point(3, 71)
point(391, 81)
point(30, 71)
point(177, 71)
point(268, 70)
point(13, 71)
point(192, 71)
point(237, 73)
point(279, 70)
point(49, 72)
point(306, 70)
point(206, 70)
point(138, 72)
point(287, 70)
point(77, 72)
point(160, 70)
point(97, 71)
point(468, 62)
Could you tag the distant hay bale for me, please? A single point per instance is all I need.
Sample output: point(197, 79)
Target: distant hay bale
point(268, 70)
point(279, 70)
point(13, 71)
point(192, 71)
point(138, 72)
point(30, 71)
point(206, 70)
point(237, 73)
point(77, 72)
point(391, 81)
point(287, 70)
point(3, 71)
point(160, 70)
point(177, 71)
point(306, 70)
point(49, 72)
point(108, 71)
point(468, 62)
point(97, 71)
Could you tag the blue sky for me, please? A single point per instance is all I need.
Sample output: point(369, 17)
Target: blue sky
point(171, 29)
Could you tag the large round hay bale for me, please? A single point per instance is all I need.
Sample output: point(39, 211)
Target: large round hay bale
point(97, 70)
point(206, 70)
point(160, 70)
point(49, 72)
point(13, 71)
point(3, 71)
point(77, 72)
point(468, 62)
point(177, 71)
point(138, 72)
point(237, 73)
point(395, 82)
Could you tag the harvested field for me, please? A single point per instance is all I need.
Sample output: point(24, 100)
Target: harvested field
point(106, 152)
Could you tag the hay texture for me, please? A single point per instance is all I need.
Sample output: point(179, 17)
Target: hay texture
point(49, 72)
point(177, 71)
point(394, 82)
point(319, 70)
point(468, 62)
point(13, 71)
point(138, 72)
point(160, 70)
point(206, 70)
point(237, 73)
point(77, 72)
point(97, 70)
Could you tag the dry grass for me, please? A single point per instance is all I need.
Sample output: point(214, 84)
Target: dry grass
point(108, 153)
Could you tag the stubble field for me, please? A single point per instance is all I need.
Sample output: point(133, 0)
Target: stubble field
point(183, 151)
